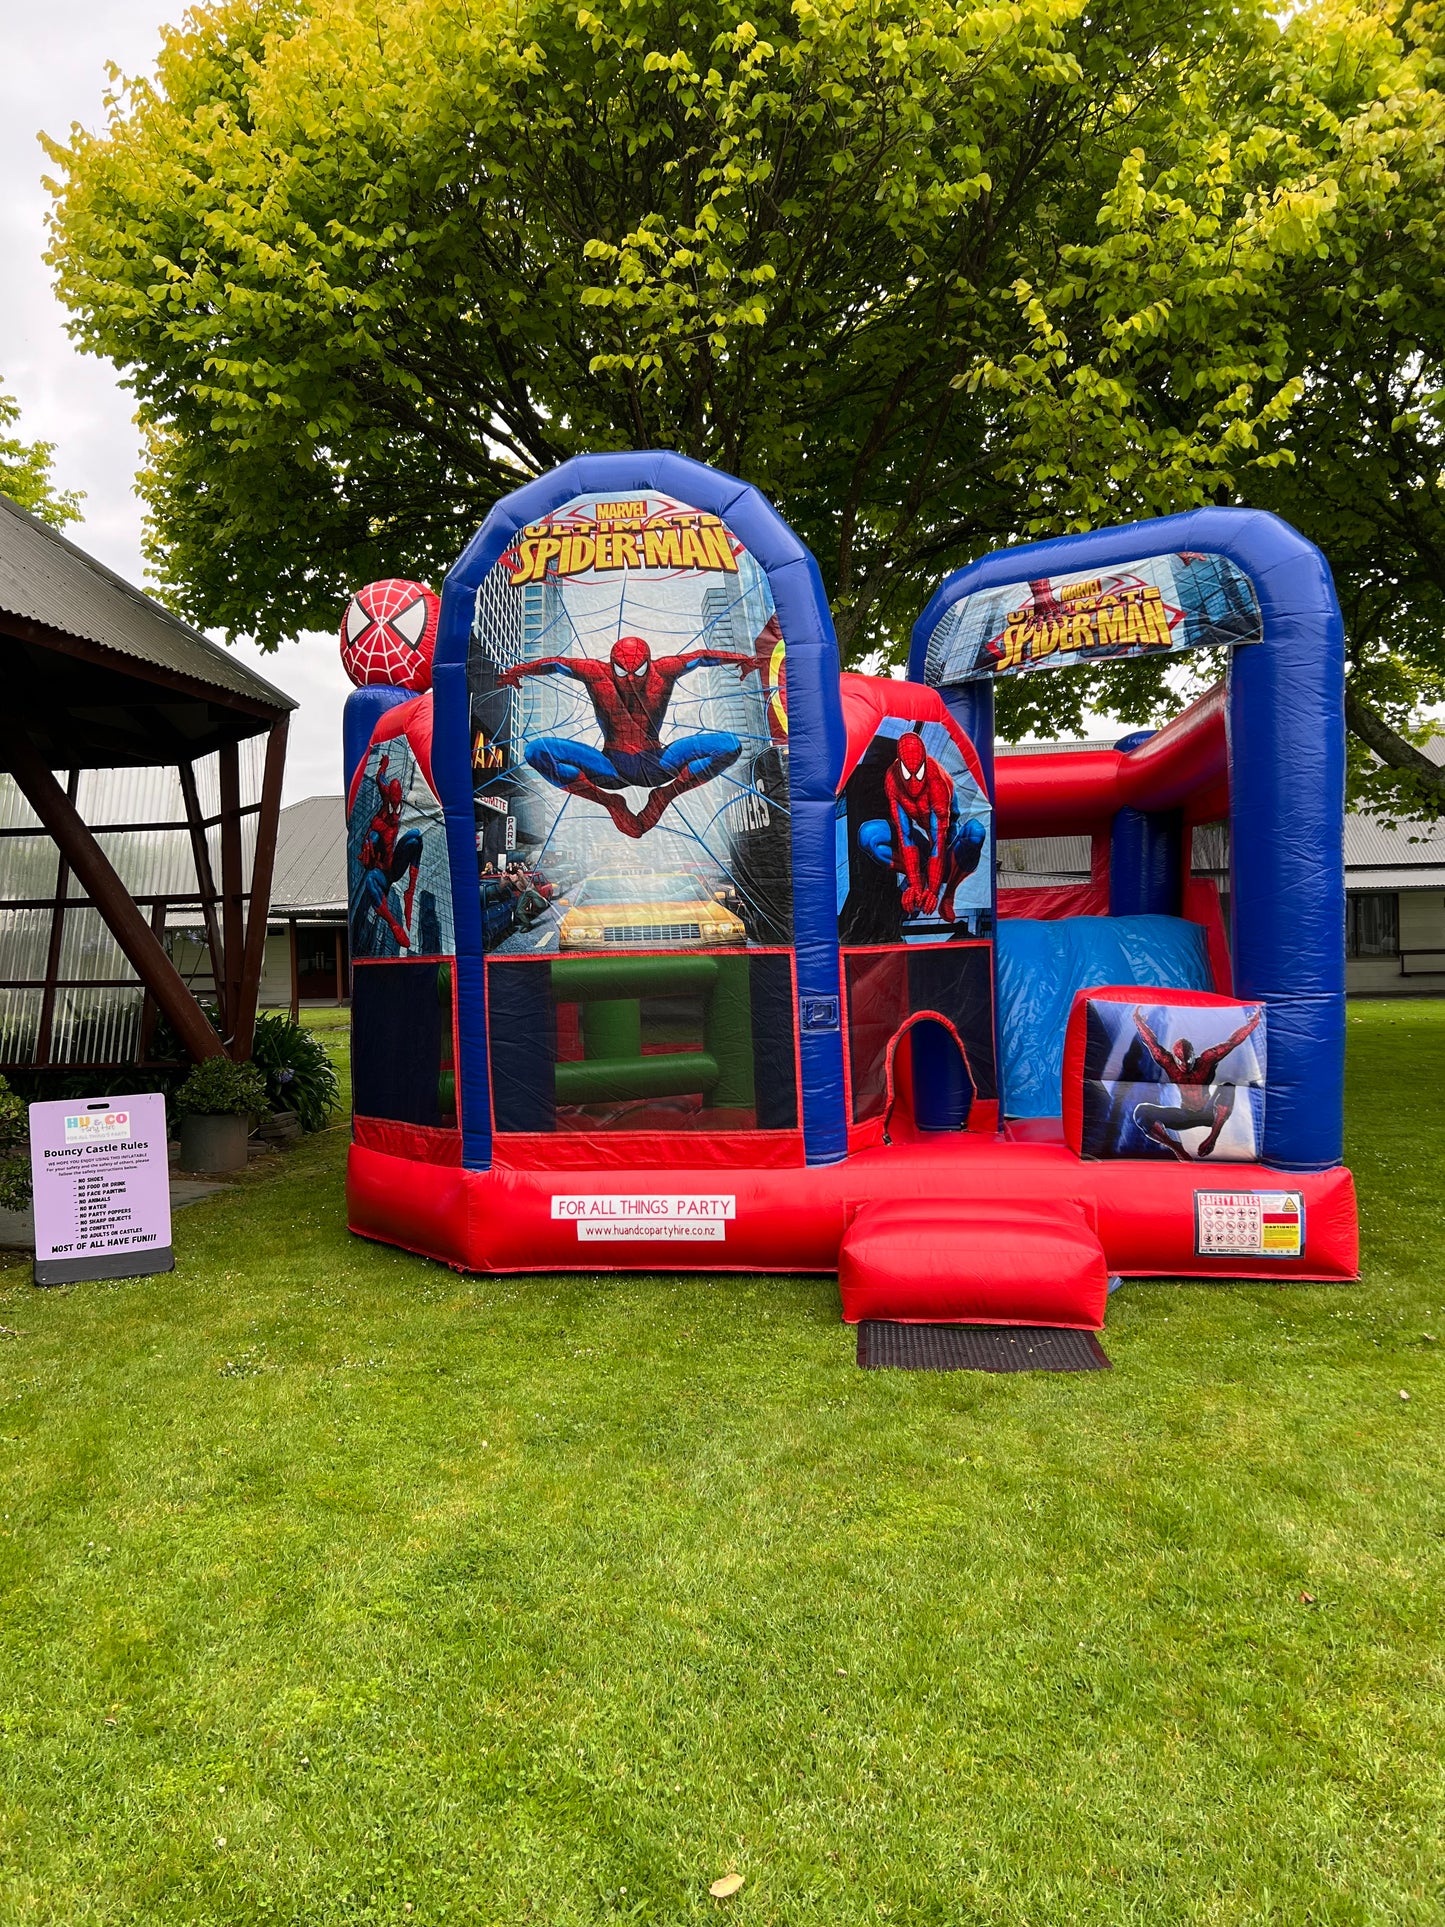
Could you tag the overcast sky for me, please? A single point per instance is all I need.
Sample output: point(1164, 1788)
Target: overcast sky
point(53, 73)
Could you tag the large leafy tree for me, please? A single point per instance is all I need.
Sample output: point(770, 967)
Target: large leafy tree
point(933, 277)
point(25, 471)
point(1366, 440)
point(370, 261)
point(1299, 225)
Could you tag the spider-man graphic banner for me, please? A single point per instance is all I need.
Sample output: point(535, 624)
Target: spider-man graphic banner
point(396, 857)
point(912, 841)
point(1158, 606)
point(1179, 1082)
point(629, 736)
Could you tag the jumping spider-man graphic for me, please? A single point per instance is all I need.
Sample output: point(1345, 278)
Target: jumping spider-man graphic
point(630, 694)
point(1205, 1106)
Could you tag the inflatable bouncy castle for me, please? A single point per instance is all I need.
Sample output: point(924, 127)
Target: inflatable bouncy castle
point(677, 946)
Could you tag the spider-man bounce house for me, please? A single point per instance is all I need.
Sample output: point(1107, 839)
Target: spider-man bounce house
point(676, 946)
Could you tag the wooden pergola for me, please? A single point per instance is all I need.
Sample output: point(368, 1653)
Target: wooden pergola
point(101, 678)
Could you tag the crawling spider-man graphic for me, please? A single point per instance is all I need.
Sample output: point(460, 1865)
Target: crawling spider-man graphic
point(387, 854)
point(922, 839)
point(1205, 1106)
point(630, 693)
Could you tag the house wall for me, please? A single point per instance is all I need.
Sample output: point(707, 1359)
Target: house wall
point(1422, 927)
point(193, 961)
point(276, 971)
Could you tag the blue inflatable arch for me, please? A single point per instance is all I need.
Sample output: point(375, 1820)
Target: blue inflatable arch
point(1286, 738)
point(815, 758)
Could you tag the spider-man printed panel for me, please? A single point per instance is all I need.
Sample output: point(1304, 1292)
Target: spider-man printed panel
point(913, 841)
point(629, 736)
point(400, 886)
point(1166, 1075)
point(1159, 605)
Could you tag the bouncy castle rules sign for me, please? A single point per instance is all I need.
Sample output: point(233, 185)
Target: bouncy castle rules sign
point(102, 1188)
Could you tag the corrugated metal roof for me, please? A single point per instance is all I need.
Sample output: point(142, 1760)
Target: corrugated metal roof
point(1369, 844)
point(44, 578)
point(310, 874)
point(1056, 749)
point(1426, 876)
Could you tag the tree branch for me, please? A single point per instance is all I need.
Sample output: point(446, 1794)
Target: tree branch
point(1391, 748)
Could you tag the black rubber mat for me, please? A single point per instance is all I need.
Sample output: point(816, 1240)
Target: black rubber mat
point(977, 1348)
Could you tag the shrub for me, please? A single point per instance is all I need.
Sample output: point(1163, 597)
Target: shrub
point(14, 1150)
point(299, 1075)
point(219, 1088)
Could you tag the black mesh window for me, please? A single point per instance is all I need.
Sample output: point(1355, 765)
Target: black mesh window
point(885, 988)
point(643, 1043)
point(401, 1043)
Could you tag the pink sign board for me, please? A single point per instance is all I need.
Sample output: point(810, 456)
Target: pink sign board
point(102, 1188)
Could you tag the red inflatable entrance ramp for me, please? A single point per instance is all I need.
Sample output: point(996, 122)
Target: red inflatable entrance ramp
point(955, 1261)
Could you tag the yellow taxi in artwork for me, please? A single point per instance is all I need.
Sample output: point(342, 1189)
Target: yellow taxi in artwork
point(647, 912)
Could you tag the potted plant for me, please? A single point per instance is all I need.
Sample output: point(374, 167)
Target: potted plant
point(216, 1103)
point(301, 1084)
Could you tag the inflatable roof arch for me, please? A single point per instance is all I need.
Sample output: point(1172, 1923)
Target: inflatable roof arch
point(675, 945)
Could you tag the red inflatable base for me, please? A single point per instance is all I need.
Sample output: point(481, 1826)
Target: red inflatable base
point(1151, 1220)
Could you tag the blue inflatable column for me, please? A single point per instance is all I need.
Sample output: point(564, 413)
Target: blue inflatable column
point(1286, 824)
point(364, 709)
point(1145, 852)
point(971, 706)
point(452, 767)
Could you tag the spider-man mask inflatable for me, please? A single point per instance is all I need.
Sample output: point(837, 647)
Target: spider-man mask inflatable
point(389, 634)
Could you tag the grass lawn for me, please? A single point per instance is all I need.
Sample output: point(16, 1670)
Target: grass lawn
point(340, 1589)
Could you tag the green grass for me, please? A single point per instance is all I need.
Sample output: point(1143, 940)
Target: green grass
point(341, 1589)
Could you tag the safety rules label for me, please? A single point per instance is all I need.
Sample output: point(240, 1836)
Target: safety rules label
point(668, 1214)
point(1249, 1224)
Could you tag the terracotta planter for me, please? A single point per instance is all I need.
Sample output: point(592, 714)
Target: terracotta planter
point(212, 1144)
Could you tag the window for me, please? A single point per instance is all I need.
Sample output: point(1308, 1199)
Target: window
point(402, 1064)
point(649, 1041)
point(320, 962)
point(1372, 924)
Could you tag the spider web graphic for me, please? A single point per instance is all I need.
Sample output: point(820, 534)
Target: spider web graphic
point(732, 828)
point(568, 707)
point(687, 710)
point(691, 712)
point(755, 902)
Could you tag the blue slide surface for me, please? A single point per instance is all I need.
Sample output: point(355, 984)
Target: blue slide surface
point(1042, 964)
